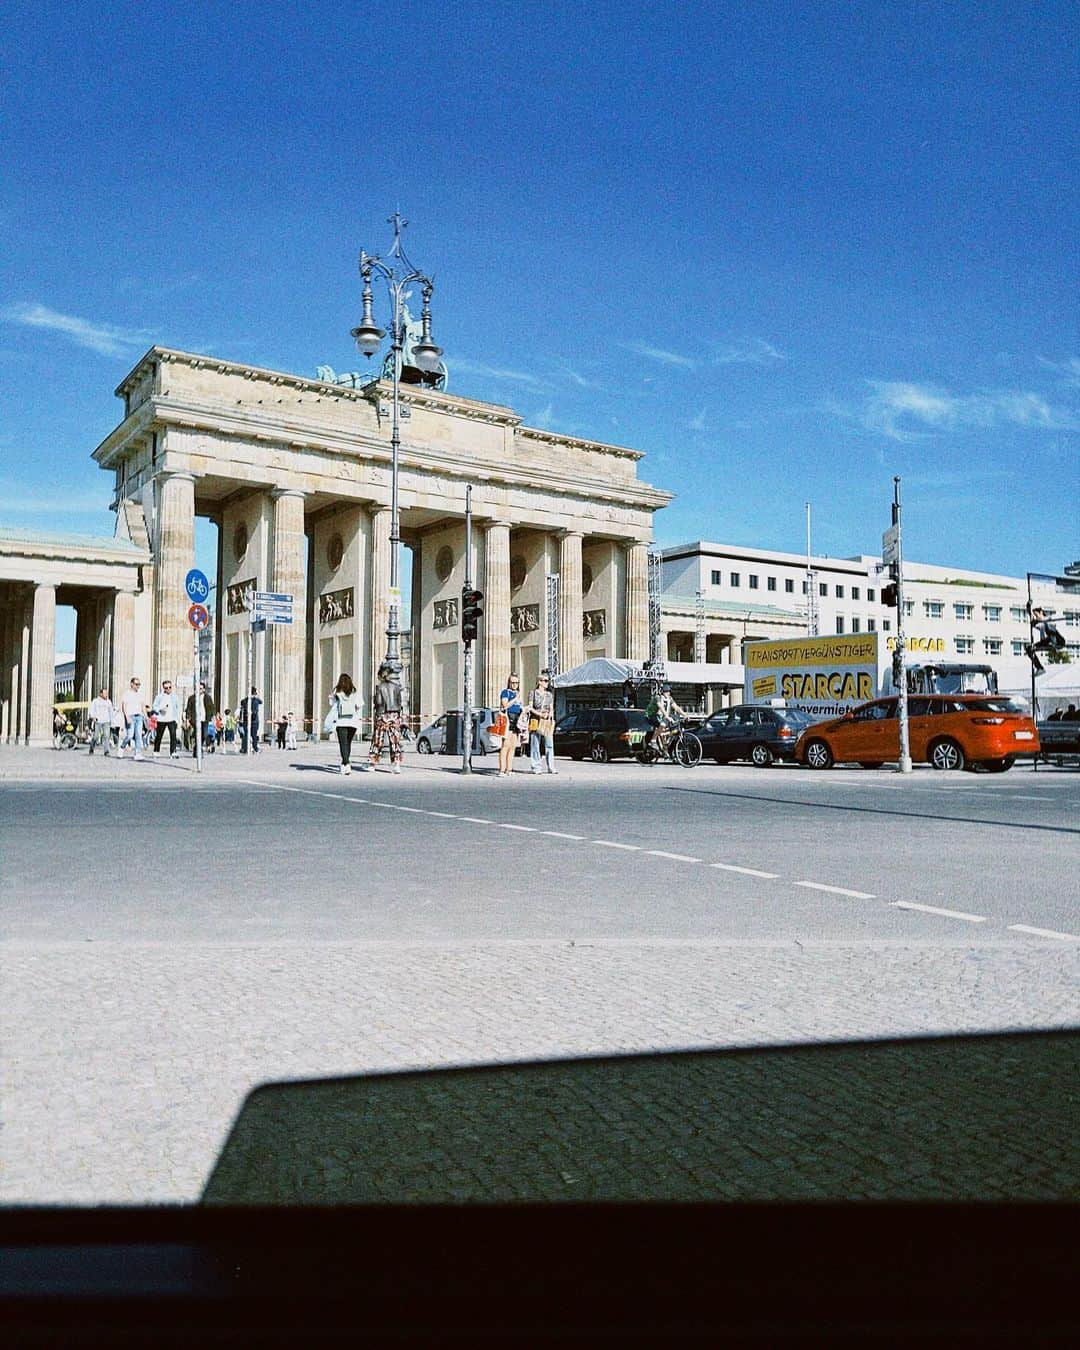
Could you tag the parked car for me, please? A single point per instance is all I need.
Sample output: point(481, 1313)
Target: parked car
point(431, 739)
point(953, 731)
point(601, 733)
point(751, 731)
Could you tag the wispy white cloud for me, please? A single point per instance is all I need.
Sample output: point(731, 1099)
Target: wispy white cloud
point(544, 418)
point(697, 423)
point(660, 354)
point(906, 411)
point(464, 366)
point(748, 352)
point(103, 338)
point(1069, 368)
point(575, 377)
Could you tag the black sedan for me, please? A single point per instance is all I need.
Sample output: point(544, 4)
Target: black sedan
point(601, 733)
point(750, 731)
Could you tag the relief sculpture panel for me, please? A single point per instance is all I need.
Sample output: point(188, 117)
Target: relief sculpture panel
point(334, 605)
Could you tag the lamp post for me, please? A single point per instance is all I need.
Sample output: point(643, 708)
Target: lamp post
point(426, 368)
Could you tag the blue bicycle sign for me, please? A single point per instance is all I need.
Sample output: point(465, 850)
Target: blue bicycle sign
point(196, 585)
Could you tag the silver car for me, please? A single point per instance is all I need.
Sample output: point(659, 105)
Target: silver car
point(432, 739)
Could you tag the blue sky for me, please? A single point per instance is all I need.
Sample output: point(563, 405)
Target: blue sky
point(788, 250)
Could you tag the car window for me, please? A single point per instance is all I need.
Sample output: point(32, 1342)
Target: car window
point(746, 717)
point(876, 712)
point(718, 720)
point(922, 707)
point(586, 720)
point(568, 723)
point(614, 720)
point(636, 719)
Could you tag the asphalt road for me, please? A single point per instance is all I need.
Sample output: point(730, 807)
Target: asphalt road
point(613, 851)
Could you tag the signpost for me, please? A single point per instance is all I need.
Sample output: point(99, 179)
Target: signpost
point(198, 617)
point(265, 607)
point(896, 561)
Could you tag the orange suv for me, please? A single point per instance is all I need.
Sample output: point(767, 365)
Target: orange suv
point(948, 731)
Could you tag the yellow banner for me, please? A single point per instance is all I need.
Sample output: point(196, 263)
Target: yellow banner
point(858, 649)
point(765, 687)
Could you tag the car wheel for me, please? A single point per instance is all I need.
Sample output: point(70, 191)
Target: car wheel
point(946, 754)
point(762, 756)
point(599, 753)
point(998, 765)
point(423, 745)
point(818, 755)
point(871, 763)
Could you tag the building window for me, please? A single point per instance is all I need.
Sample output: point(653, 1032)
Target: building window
point(805, 588)
point(992, 613)
point(1017, 647)
point(965, 645)
point(871, 595)
point(871, 625)
point(1073, 648)
point(839, 623)
point(823, 589)
point(855, 593)
point(964, 611)
point(935, 609)
point(856, 625)
point(716, 578)
point(909, 606)
point(789, 586)
point(840, 593)
point(1072, 618)
point(735, 578)
point(992, 646)
point(770, 584)
point(1018, 614)
point(886, 625)
point(753, 582)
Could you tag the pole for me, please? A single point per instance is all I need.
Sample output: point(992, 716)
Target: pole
point(393, 657)
point(198, 714)
point(466, 715)
point(250, 682)
point(1031, 657)
point(901, 644)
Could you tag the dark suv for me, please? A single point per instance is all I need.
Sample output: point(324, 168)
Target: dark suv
point(601, 733)
point(749, 731)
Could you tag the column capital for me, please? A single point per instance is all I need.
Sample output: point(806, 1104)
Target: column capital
point(493, 523)
point(175, 476)
point(570, 534)
point(277, 493)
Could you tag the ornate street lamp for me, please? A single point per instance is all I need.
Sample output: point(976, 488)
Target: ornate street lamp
point(424, 366)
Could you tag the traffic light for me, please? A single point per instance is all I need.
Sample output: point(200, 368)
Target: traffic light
point(470, 614)
point(890, 595)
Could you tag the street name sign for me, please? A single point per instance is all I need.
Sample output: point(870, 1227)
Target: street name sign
point(890, 544)
point(197, 586)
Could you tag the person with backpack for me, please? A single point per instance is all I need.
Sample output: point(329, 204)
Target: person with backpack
point(344, 716)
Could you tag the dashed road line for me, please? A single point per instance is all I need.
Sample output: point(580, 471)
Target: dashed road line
point(944, 913)
point(835, 890)
point(613, 843)
point(506, 825)
point(673, 857)
point(560, 834)
point(475, 820)
point(1044, 932)
point(1023, 797)
point(745, 871)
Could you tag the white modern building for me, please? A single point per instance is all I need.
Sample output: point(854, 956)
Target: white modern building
point(950, 613)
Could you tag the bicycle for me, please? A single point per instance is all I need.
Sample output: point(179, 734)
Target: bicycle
point(675, 744)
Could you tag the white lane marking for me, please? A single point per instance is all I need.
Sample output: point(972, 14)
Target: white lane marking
point(476, 820)
point(559, 834)
point(416, 810)
point(674, 857)
point(446, 815)
point(505, 825)
point(745, 871)
point(1044, 932)
point(611, 843)
point(311, 792)
point(1023, 797)
point(835, 890)
point(945, 913)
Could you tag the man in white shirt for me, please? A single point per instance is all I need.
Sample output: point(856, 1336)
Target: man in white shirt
point(133, 710)
point(167, 711)
point(100, 714)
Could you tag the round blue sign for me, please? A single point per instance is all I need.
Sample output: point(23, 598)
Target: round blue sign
point(197, 586)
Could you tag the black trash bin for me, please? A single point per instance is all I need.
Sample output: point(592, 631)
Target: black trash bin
point(453, 738)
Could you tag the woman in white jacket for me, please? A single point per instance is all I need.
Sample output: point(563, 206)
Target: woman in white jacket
point(344, 714)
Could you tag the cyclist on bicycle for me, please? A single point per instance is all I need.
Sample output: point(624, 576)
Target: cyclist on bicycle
point(662, 713)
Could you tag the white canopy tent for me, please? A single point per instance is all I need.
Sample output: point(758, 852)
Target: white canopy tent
point(601, 679)
point(1056, 688)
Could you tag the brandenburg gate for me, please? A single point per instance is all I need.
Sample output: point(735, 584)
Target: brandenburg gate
point(296, 472)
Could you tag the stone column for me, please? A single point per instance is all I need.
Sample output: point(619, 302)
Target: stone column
point(175, 557)
point(496, 607)
point(103, 674)
point(571, 640)
point(22, 655)
point(86, 668)
point(7, 618)
point(637, 602)
point(122, 658)
point(43, 665)
point(286, 693)
point(379, 592)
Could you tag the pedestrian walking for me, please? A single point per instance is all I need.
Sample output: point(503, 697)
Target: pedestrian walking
point(200, 707)
point(290, 732)
point(133, 711)
point(100, 714)
point(386, 707)
point(541, 712)
point(344, 718)
point(282, 723)
point(166, 708)
point(511, 710)
point(254, 702)
point(229, 729)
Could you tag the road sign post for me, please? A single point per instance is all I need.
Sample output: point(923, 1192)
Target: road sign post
point(897, 561)
point(199, 618)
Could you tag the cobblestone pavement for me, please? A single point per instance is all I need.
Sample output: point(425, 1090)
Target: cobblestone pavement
point(125, 1063)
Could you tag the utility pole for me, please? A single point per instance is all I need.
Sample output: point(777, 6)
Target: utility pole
point(901, 643)
point(467, 692)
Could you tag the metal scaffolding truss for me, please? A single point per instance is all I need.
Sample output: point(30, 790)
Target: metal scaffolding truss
point(551, 596)
point(656, 583)
point(699, 626)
